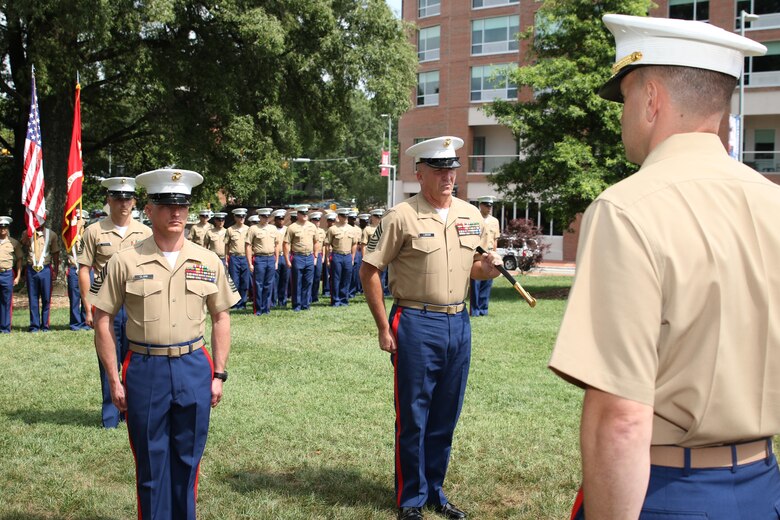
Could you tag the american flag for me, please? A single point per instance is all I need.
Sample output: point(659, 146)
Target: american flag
point(32, 176)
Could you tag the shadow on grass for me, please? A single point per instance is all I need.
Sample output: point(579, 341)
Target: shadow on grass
point(540, 292)
point(334, 486)
point(64, 417)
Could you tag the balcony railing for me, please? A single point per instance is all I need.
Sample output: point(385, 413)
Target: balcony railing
point(488, 163)
point(763, 161)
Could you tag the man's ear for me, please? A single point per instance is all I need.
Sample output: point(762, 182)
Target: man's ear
point(652, 91)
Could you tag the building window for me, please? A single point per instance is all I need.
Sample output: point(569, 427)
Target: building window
point(765, 142)
point(428, 88)
point(764, 71)
point(428, 43)
point(690, 10)
point(492, 82)
point(768, 10)
point(428, 8)
point(478, 4)
point(494, 35)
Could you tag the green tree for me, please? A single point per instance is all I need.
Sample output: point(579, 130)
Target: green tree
point(232, 89)
point(569, 136)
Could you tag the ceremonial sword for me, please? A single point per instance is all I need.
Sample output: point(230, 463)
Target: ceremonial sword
point(527, 297)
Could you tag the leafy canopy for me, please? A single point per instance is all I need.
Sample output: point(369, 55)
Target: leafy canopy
point(569, 137)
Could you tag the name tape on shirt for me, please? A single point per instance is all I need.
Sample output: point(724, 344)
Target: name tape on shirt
point(200, 272)
point(426, 235)
point(143, 277)
point(468, 228)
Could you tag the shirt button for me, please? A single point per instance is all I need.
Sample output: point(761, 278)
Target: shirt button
point(174, 299)
point(173, 324)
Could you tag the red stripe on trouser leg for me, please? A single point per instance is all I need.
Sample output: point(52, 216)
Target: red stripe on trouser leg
point(129, 438)
point(577, 504)
point(399, 474)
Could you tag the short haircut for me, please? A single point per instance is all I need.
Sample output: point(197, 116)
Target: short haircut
point(702, 92)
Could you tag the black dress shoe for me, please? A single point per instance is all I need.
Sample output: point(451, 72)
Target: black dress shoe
point(410, 513)
point(449, 511)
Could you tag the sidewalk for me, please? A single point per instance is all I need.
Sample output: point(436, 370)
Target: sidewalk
point(554, 267)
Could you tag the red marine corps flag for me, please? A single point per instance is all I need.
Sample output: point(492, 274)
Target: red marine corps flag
point(32, 174)
point(70, 222)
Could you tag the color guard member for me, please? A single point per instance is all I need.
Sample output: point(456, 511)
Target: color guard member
point(216, 237)
point(11, 256)
point(480, 289)
point(430, 240)
point(300, 246)
point(235, 238)
point(43, 260)
point(263, 243)
point(199, 231)
point(673, 322)
point(341, 251)
point(101, 240)
point(78, 311)
point(168, 286)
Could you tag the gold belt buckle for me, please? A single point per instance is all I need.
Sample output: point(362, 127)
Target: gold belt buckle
point(174, 352)
point(37, 268)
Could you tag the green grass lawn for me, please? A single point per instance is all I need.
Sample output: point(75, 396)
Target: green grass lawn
point(305, 430)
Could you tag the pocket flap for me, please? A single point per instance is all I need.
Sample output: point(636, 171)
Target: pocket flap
point(143, 287)
point(201, 287)
point(426, 245)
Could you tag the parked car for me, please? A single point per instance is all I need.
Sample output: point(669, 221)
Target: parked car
point(519, 254)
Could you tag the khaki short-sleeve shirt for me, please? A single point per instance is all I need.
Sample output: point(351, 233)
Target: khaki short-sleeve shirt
point(367, 232)
point(198, 233)
point(492, 231)
point(164, 306)
point(301, 237)
point(340, 238)
point(10, 252)
point(235, 238)
point(431, 259)
point(675, 303)
point(321, 236)
point(263, 239)
point(215, 241)
point(102, 240)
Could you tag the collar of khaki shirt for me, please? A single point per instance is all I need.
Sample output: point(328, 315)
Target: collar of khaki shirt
point(149, 252)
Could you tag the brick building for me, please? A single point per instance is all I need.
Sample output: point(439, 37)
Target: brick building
point(461, 42)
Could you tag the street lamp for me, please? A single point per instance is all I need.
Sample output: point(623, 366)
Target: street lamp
point(743, 17)
point(390, 178)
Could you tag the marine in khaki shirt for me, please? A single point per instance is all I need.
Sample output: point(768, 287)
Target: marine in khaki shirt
point(300, 239)
point(11, 257)
point(430, 241)
point(170, 380)
point(198, 231)
point(672, 325)
point(235, 238)
point(340, 238)
point(264, 240)
point(216, 237)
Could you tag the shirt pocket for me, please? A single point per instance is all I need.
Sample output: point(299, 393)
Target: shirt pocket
point(468, 248)
point(425, 251)
point(144, 299)
point(197, 292)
